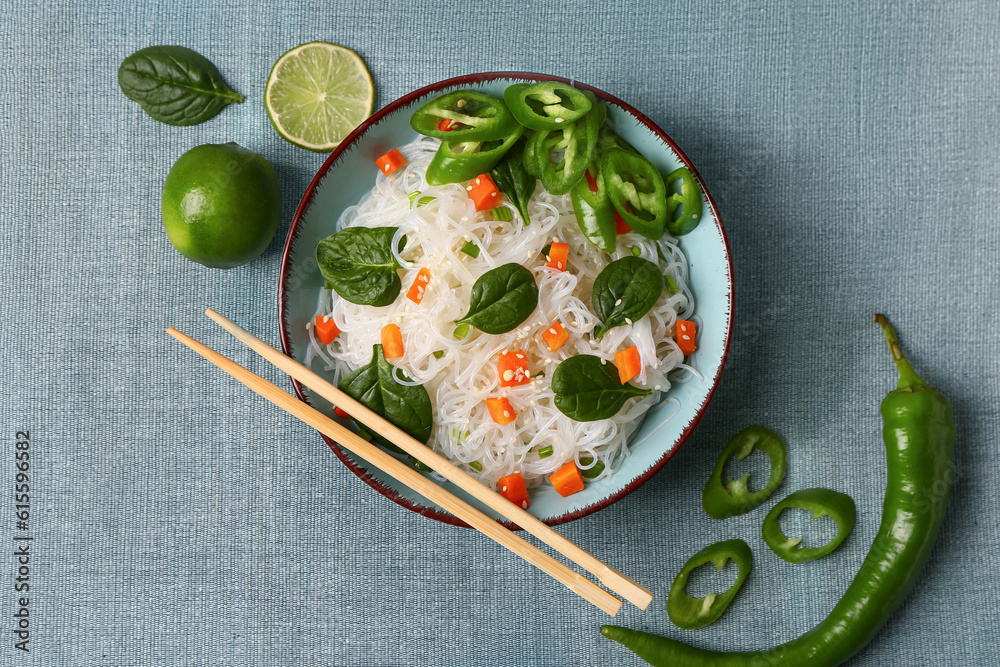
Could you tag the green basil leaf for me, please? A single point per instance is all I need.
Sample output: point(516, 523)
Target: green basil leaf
point(587, 390)
point(510, 176)
point(358, 264)
point(501, 299)
point(408, 407)
point(174, 85)
point(625, 291)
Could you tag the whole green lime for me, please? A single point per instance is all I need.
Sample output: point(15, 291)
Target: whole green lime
point(221, 205)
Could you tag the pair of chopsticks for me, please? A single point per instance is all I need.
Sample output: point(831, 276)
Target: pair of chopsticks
point(609, 576)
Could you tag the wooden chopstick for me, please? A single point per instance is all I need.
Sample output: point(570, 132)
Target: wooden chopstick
point(616, 581)
point(577, 583)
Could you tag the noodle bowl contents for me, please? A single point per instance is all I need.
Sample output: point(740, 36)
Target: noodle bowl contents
point(521, 325)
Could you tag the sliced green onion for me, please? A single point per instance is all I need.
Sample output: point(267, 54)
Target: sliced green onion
point(503, 214)
point(365, 434)
point(438, 354)
point(545, 452)
point(476, 465)
point(471, 249)
point(672, 285)
point(419, 202)
point(594, 470)
point(461, 331)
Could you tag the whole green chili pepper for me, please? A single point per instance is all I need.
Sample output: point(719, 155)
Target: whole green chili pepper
point(462, 161)
point(820, 502)
point(693, 613)
point(464, 115)
point(733, 498)
point(919, 437)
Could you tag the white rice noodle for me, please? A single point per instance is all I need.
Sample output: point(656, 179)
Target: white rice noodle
point(460, 381)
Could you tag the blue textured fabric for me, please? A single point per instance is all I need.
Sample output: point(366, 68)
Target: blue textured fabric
point(178, 520)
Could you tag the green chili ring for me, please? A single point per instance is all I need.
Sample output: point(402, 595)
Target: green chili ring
point(474, 116)
point(692, 613)
point(455, 162)
point(546, 105)
point(684, 219)
point(733, 498)
point(819, 502)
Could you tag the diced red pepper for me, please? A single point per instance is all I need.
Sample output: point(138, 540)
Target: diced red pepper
point(567, 480)
point(621, 227)
point(484, 192)
point(446, 125)
point(500, 410)
point(513, 368)
point(513, 488)
point(558, 255)
point(591, 181)
point(326, 329)
point(686, 333)
point(555, 336)
point(391, 161)
point(628, 363)
point(417, 289)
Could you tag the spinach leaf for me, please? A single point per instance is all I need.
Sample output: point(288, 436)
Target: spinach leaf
point(174, 85)
point(358, 264)
point(625, 291)
point(407, 407)
point(587, 390)
point(501, 299)
point(510, 176)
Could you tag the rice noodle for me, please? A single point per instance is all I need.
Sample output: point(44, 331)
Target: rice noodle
point(465, 375)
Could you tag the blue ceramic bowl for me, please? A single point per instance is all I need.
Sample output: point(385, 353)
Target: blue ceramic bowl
point(349, 172)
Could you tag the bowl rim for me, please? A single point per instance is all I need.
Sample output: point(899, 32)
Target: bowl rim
point(306, 201)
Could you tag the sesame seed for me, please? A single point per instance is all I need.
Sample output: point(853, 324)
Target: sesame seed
point(519, 356)
point(618, 302)
point(603, 361)
point(465, 218)
point(478, 181)
point(527, 374)
point(504, 488)
point(686, 337)
point(560, 120)
point(524, 504)
point(628, 321)
point(461, 103)
point(553, 332)
point(656, 387)
point(495, 193)
point(468, 189)
point(508, 375)
point(506, 414)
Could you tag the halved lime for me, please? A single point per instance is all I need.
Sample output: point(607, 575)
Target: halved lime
point(317, 93)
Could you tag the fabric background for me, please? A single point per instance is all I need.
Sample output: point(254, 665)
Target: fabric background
point(178, 520)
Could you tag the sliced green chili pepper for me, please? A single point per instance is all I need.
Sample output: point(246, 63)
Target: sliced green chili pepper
point(593, 471)
point(693, 613)
point(684, 207)
point(637, 191)
point(733, 498)
point(545, 105)
point(608, 138)
point(919, 437)
point(464, 115)
point(593, 209)
point(455, 162)
point(820, 502)
point(514, 181)
point(530, 157)
point(572, 146)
